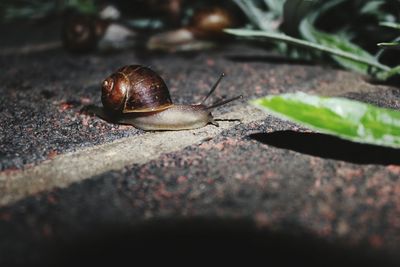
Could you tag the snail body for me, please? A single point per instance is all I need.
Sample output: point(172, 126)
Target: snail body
point(176, 117)
point(138, 96)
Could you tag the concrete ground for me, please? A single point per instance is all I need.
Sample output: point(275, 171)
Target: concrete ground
point(75, 188)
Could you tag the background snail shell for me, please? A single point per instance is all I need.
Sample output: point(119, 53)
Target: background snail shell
point(81, 33)
point(209, 22)
point(135, 88)
point(204, 28)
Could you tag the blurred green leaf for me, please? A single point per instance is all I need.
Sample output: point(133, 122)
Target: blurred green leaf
point(384, 75)
point(384, 46)
point(293, 12)
point(84, 6)
point(374, 8)
point(263, 19)
point(390, 25)
point(341, 117)
point(337, 42)
point(389, 45)
point(276, 6)
point(35, 9)
point(371, 7)
point(299, 17)
point(269, 36)
point(322, 7)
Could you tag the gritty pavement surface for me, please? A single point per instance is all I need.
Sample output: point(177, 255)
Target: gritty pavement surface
point(74, 188)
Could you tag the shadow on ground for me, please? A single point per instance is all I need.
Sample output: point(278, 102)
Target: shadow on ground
point(205, 241)
point(326, 146)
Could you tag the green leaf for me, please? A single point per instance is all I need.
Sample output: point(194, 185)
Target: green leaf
point(384, 75)
point(323, 7)
point(262, 19)
point(276, 6)
point(373, 8)
point(28, 11)
point(84, 6)
point(293, 12)
point(270, 36)
point(390, 25)
point(344, 118)
point(35, 9)
point(334, 41)
point(389, 45)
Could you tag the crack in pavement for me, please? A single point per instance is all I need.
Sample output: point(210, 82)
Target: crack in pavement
point(69, 168)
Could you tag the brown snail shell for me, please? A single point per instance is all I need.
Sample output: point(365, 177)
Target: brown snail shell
point(205, 26)
point(135, 88)
point(81, 33)
point(209, 22)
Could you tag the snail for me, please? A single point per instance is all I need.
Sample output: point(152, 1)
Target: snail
point(138, 96)
point(206, 24)
point(210, 22)
point(83, 33)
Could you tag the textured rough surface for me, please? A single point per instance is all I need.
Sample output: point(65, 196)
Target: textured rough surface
point(263, 189)
point(68, 168)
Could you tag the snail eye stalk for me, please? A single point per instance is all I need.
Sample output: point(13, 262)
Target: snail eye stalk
point(213, 88)
point(223, 102)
